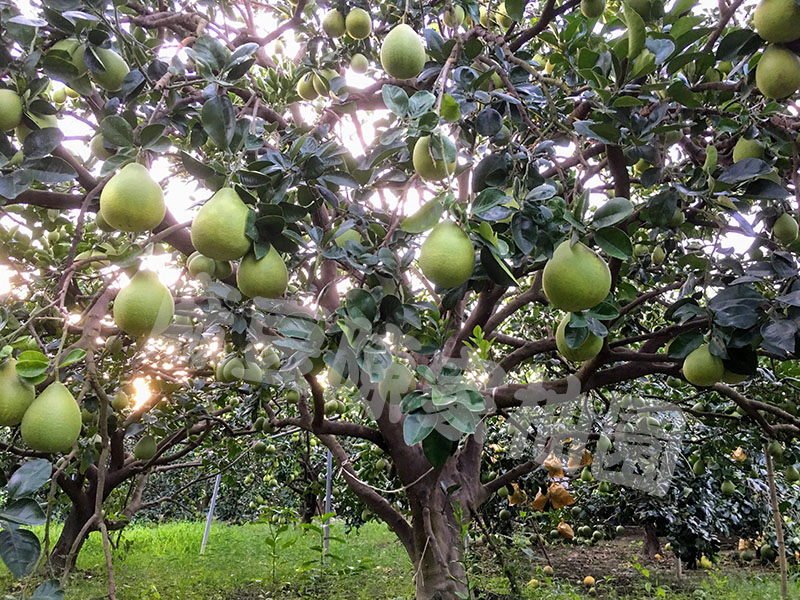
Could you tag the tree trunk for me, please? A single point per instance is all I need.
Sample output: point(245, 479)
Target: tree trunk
point(76, 519)
point(438, 552)
point(651, 544)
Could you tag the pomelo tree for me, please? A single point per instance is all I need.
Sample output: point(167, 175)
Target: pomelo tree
point(611, 184)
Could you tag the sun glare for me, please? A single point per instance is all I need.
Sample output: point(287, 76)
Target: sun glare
point(141, 392)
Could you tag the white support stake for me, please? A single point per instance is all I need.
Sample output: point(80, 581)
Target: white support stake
point(211, 512)
point(328, 488)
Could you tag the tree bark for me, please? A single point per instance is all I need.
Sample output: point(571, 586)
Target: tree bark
point(651, 544)
point(78, 515)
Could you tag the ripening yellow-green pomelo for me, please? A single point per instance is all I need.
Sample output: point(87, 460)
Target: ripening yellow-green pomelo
point(745, 148)
point(322, 81)
point(266, 278)
point(351, 235)
point(701, 368)
point(306, 89)
point(120, 401)
point(10, 110)
point(223, 269)
point(591, 9)
point(785, 229)
point(778, 73)
point(402, 52)
point(398, 380)
point(589, 349)
point(145, 448)
point(15, 395)
point(447, 256)
point(575, 278)
point(52, 423)
point(733, 378)
point(144, 306)
point(333, 23)
point(96, 145)
point(218, 229)
point(358, 24)
point(453, 17)
point(115, 70)
point(359, 63)
point(132, 200)
point(426, 166)
point(101, 223)
point(501, 16)
point(42, 121)
point(198, 263)
point(76, 51)
point(777, 21)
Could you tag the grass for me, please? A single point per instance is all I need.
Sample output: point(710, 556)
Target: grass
point(163, 563)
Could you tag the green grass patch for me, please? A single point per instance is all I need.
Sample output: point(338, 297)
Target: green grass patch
point(163, 563)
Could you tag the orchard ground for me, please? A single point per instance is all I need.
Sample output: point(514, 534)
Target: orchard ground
point(159, 562)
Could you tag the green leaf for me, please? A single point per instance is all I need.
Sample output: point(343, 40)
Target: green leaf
point(19, 549)
point(360, 303)
point(51, 169)
point(219, 120)
point(747, 168)
point(395, 99)
point(614, 242)
point(425, 218)
point(515, 9)
point(41, 142)
point(29, 478)
point(195, 167)
point(117, 131)
point(450, 111)
point(420, 103)
point(25, 511)
point(417, 426)
point(73, 357)
point(49, 590)
point(612, 212)
point(496, 267)
point(437, 448)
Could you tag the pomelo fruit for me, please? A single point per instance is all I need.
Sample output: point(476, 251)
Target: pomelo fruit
point(785, 229)
point(98, 149)
point(745, 148)
point(426, 166)
point(658, 255)
point(15, 395)
point(218, 229)
point(359, 63)
point(350, 235)
point(52, 423)
point(728, 488)
point(402, 52)
point(144, 306)
point(10, 110)
point(306, 89)
point(398, 380)
point(120, 401)
point(589, 349)
point(265, 278)
point(101, 223)
point(358, 24)
point(701, 368)
point(454, 16)
point(447, 257)
point(132, 200)
point(777, 21)
point(198, 263)
point(575, 278)
point(333, 23)
point(115, 70)
point(778, 73)
point(145, 448)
